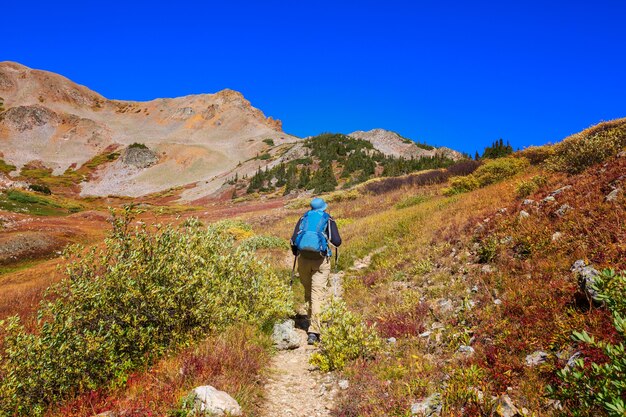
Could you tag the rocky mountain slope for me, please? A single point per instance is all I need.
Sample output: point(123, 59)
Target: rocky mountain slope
point(53, 127)
point(392, 144)
point(51, 119)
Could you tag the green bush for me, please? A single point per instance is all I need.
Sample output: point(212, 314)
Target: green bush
point(599, 388)
point(589, 147)
point(499, 169)
point(124, 305)
point(269, 142)
point(461, 185)
point(43, 189)
point(537, 154)
point(526, 188)
point(264, 242)
point(26, 198)
point(137, 145)
point(6, 168)
point(344, 338)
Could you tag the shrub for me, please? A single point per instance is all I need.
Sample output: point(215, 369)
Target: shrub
point(6, 168)
point(464, 167)
point(591, 387)
point(265, 156)
point(26, 198)
point(526, 188)
point(537, 154)
point(499, 169)
point(264, 242)
point(461, 185)
point(43, 189)
point(137, 145)
point(345, 338)
point(269, 141)
point(126, 304)
point(588, 147)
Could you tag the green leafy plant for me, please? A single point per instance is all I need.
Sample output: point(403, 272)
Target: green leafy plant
point(589, 147)
point(526, 188)
point(345, 337)
point(149, 290)
point(598, 387)
point(136, 145)
point(269, 141)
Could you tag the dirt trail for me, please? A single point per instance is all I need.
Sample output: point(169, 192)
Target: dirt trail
point(294, 388)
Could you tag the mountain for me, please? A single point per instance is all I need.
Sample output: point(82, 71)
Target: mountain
point(53, 122)
point(392, 144)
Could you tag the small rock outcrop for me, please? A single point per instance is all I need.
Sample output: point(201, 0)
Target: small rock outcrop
point(139, 157)
point(504, 407)
point(586, 275)
point(285, 335)
point(612, 196)
point(536, 358)
point(428, 407)
point(211, 401)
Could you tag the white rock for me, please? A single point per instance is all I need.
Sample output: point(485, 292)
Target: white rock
point(465, 349)
point(612, 196)
point(213, 401)
point(285, 335)
point(429, 407)
point(344, 384)
point(523, 214)
point(536, 358)
point(556, 236)
point(497, 301)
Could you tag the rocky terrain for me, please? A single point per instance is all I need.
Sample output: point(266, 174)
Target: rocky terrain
point(392, 144)
point(197, 142)
point(51, 119)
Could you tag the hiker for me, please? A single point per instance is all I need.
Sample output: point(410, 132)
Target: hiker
point(310, 245)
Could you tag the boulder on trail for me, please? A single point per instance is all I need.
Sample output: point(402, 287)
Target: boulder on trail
point(285, 335)
point(428, 407)
point(211, 401)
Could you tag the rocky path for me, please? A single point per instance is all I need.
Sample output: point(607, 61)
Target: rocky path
point(294, 388)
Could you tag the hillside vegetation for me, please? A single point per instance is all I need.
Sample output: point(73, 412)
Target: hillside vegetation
point(491, 288)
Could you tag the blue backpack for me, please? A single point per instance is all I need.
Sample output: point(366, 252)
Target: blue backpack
point(312, 238)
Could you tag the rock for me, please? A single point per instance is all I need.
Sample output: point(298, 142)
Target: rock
point(572, 360)
point(586, 278)
point(523, 214)
point(506, 240)
point(139, 157)
point(560, 190)
point(504, 407)
point(391, 340)
point(556, 236)
point(536, 358)
point(548, 199)
point(212, 401)
point(612, 196)
point(497, 301)
point(474, 288)
point(344, 384)
point(528, 202)
point(564, 209)
point(445, 306)
point(466, 349)
point(285, 335)
point(622, 154)
point(425, 334)
point(428, 407)
point(486, 269)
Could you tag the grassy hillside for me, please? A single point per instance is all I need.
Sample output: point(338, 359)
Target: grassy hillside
point(492, 285)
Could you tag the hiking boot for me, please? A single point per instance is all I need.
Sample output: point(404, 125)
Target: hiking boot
point(313, 339)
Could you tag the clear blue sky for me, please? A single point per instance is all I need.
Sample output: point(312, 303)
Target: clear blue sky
point(460, 74)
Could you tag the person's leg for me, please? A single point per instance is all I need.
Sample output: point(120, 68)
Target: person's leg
point(319, 289)
point(305, 272)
